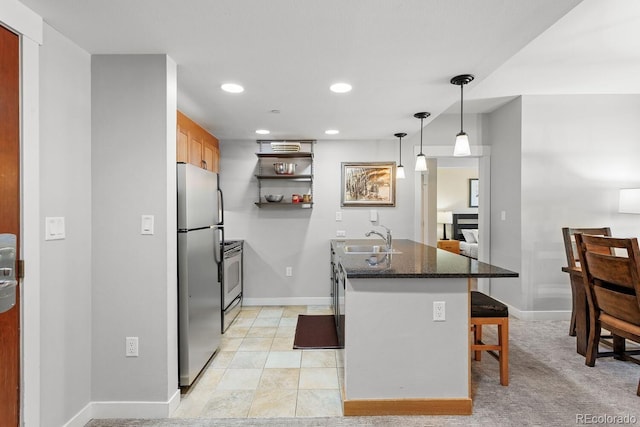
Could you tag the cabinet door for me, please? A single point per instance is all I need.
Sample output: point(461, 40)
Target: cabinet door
point(182, 145)
point(210, 153)
point(195, 145)
point(195, 150)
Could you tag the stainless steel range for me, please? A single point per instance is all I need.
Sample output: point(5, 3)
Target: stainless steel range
point(231, 281)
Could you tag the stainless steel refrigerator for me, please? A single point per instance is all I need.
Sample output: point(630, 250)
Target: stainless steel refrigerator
point(199, 257)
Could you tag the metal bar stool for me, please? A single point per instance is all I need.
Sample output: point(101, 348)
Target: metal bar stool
point(489, 311)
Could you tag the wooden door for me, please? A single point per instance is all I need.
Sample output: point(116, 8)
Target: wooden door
point(9, 219)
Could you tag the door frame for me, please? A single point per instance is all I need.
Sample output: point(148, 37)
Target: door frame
point(423, 221)
point(29, 27)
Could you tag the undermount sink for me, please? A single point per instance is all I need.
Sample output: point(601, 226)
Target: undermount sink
point(369, 249)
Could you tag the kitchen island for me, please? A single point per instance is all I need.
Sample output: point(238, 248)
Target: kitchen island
point(397, 358)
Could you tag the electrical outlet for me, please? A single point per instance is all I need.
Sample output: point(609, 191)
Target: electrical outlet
point(438, 311)
point(338, 216)
point(131, 347)
point(288, 271)
point(341, 233)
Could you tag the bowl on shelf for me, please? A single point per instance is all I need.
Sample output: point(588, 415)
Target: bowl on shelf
point(274, 197)
point(282, 168)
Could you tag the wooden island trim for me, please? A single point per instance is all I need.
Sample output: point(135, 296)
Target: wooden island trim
point(453, 406)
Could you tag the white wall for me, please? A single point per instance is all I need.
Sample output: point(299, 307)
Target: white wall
point(133, 275)
point(453, 189)
point(453, 192)
point(65, 183)
point(577, 152)
point(278, 238)
point(556, 162)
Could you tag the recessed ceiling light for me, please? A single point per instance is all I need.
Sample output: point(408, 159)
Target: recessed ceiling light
point(340, 87)
point(263, 132)
point(232, 88)
point(332, 131)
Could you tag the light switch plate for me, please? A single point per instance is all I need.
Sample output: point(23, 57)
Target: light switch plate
point(146, 224)
point(54, 228)
point(373, 215)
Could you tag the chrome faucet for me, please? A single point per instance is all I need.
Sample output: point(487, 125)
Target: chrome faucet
point(388, 239)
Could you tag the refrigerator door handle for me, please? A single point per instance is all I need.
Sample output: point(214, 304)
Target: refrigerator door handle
point(217, 245)
point(221, 207)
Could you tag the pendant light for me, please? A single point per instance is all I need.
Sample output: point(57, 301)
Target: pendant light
point(462, 139)
point(421, 160)
point(400, 168)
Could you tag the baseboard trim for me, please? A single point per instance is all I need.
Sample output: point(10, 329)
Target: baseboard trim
point(326, 301)
point(81, 418)
point(539, 315)
point(462, 406)
point(105, 410)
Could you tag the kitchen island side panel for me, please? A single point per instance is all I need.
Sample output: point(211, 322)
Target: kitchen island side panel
point(394, 349)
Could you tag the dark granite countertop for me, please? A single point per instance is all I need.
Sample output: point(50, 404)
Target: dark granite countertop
point(414, 260)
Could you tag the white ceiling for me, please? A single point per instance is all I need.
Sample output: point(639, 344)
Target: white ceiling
point(398, 55)
point(593, 49)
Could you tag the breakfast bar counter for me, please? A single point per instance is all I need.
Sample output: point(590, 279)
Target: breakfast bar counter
point(400, 356)
point(411, 259)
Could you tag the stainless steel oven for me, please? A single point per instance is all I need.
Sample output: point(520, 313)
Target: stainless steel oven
point(231, 281)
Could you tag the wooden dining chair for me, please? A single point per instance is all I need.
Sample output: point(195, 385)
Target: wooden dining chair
point(572, 261)
point(612, 283)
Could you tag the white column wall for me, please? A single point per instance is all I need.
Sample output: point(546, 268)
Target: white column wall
point(504, 137)
point(133, 102)
point(65, 183)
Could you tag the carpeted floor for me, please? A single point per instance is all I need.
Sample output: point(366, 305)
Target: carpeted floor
point(549, 386)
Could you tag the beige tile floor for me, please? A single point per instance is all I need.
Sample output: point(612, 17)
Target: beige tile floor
point(257, 373)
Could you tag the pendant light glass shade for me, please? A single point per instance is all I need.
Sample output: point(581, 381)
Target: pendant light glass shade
point(462, 145)
point(462, 139)
point(421, 160)
point(400, 168)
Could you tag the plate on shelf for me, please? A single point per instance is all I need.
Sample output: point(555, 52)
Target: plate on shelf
point(285, 147)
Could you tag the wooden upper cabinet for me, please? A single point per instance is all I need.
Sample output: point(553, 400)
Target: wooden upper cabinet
point(196, 146)
point(195, 151)
point(182, 145)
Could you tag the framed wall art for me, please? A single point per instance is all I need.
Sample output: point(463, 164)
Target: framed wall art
point(473, 193)
point(368, 184)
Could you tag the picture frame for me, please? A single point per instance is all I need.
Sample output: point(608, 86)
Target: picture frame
point(474, 195)
point(368, 184)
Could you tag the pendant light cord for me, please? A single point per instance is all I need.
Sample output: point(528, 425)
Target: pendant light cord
point(461, 106)
point(421, 120)
point(400, 151)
